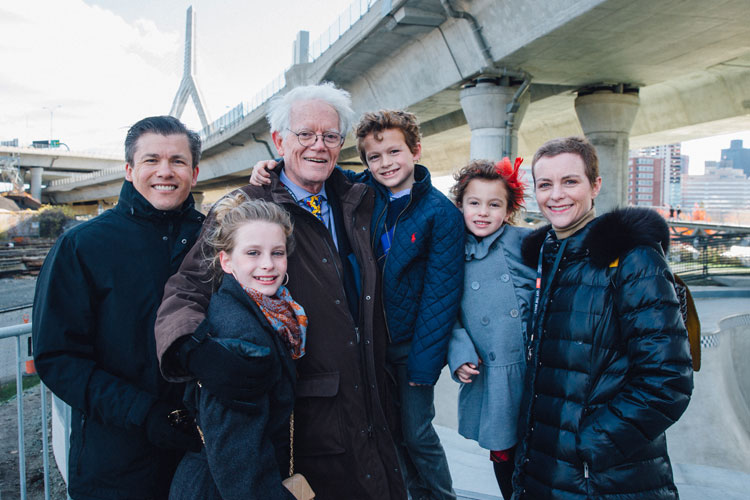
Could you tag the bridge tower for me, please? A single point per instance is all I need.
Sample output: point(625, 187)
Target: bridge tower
point(189, 84)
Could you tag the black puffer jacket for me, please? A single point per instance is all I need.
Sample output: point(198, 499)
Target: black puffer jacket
point(610, 367)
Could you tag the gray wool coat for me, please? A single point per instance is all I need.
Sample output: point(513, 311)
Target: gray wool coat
point(492, 324)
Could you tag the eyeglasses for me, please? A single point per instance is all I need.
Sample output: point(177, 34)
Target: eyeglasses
point(307, 138)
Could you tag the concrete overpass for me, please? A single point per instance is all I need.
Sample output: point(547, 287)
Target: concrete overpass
point(627, 72)
point(41, 166)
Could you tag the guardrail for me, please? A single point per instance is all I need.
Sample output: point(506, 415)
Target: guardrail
point(336, 30)
point(93, 175)
point(703, 254)
point(18, 331)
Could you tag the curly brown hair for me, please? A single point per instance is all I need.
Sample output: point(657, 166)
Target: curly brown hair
point(375, 122)
point(487, 170)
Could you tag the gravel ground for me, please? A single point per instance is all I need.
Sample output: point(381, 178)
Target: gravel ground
point(32, 413)
point(16, 291)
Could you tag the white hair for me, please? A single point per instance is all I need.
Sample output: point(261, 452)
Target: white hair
point(280, 106)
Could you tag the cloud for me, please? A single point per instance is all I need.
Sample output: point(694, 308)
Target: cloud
point(106, 73)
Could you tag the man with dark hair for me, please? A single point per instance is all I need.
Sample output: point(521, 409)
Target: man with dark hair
point(94, 310)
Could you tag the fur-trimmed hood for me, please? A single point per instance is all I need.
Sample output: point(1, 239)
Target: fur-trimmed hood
point(610, 236)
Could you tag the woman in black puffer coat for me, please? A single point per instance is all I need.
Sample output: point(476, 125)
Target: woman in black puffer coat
point(609, 359)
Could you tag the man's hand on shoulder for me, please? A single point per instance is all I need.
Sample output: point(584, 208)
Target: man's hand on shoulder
point(261, 175)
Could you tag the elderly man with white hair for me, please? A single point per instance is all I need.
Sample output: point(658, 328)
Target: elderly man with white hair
point(342, 436)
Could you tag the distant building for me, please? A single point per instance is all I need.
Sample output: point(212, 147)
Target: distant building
point(674, 166)
point(719, 188)
point(736, 157)
point(645, 181)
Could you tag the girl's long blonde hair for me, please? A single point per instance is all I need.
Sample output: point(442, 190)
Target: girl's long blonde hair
point(230, 213)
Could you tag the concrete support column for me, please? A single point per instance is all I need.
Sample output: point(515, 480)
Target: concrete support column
point(198, 198)
point(606, 116)
point(485, 105)
point(36, 183)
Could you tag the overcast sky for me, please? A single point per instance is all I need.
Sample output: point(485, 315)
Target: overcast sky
point(100, 65)
point(108, 63)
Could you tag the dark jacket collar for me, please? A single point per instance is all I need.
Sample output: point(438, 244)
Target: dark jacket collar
point(133, 203)
point(609, 236)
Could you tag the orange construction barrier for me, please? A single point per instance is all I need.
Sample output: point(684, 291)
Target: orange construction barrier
point(30, 368)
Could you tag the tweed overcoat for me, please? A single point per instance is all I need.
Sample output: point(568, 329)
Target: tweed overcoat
point(246, 449)
point(610, 368)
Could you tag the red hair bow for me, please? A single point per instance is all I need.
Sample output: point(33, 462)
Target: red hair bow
point(504, 168)
point(512, 175)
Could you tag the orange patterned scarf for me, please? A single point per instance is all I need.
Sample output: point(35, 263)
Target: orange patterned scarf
point(286, 316)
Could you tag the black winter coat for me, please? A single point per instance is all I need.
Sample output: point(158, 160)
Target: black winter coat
point(94, 310)
point(246, 453)
point(610, 368)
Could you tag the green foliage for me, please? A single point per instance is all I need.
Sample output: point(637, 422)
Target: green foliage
point(8, 390)
point(52, 220)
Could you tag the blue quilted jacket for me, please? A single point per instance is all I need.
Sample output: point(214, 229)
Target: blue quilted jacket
point(423, 272)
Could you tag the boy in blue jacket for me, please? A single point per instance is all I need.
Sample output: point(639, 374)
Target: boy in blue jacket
point(418, 238)
point(417, 235)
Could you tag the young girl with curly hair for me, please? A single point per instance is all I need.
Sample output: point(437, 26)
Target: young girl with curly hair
point(486, 350)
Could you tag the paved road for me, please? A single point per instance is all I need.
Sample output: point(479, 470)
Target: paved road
point(709, 461)
point(13, 293)
point(16, 292)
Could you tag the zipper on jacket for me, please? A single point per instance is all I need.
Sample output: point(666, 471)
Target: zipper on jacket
point(365, 374)
point(83, 442)
point(585, 470)
point(385, 261)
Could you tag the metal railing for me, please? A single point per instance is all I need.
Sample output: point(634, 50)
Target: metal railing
point(341, 25)
point(18, 331)
point(703, 254)
point(92, 175)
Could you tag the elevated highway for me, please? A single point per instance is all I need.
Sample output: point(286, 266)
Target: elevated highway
point(488, 77)
point(42, 166)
